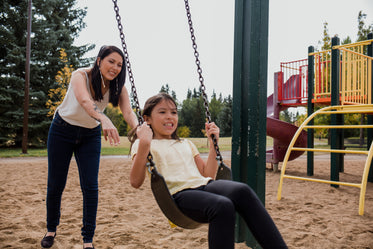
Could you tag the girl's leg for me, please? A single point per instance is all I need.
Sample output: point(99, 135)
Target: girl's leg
point(60, 149)
point(87, 155)
point(248, 205)
point(215, 209)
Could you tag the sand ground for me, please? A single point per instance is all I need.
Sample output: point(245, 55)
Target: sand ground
point(309, 215)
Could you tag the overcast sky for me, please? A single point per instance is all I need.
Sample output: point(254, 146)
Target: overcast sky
point(159, 45)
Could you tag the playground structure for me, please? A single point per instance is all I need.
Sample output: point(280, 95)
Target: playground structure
point(341, 80)
point(290, 93)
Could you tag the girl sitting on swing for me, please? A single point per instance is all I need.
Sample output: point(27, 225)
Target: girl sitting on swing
point(191, 181)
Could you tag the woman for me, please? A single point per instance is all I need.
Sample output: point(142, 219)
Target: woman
point(190, 179)
point(76, 130)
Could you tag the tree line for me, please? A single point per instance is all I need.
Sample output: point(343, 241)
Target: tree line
point(191, 112)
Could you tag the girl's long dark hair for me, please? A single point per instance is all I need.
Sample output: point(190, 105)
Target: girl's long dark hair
point(148, 108)
point(116, 84)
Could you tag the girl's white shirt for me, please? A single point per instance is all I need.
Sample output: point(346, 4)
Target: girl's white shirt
point(174, 160)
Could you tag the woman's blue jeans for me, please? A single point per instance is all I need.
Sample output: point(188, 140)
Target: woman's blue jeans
point(64, 140)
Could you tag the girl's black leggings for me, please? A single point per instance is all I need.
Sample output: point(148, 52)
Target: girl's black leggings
point(217, 202)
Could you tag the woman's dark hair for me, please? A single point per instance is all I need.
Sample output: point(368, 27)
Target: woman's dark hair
point(148, 108)
point(116, 84)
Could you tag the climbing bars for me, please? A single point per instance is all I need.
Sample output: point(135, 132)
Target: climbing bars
point(332, 110)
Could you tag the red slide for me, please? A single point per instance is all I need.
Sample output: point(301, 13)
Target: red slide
point(283, 133)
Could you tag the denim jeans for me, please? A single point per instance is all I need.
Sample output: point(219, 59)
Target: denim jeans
point(64, 140)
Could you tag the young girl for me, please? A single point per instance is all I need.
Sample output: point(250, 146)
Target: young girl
point(191, 180)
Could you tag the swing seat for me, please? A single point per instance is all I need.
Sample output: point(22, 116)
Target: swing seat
point(167, 204)
point(224, 172)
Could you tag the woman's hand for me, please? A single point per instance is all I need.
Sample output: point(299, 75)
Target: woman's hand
point(110, 131)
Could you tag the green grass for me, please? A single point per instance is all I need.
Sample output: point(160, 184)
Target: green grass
point(122, 148)
point(350, 144)
point(201, 143)
point(18, 153)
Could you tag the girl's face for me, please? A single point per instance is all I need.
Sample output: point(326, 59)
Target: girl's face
point(163, 119)
point(110, 66)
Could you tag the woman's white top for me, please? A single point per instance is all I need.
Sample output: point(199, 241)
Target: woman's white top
point(73, 113)
point(174, 160)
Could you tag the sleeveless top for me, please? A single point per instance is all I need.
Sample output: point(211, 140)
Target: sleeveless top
point(73, 113)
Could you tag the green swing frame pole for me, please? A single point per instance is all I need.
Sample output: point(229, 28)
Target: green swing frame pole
point(336, 135)
point(249, 101)
point(310, 110)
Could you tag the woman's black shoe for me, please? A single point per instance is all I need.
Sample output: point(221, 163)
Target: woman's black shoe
point(47, 241)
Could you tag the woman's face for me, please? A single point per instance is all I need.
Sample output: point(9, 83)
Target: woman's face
point(163, 119)
point(110, 66)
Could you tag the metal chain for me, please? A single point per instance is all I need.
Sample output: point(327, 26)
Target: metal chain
point(128, 64)
point(150, 164)
point(201, 80)
point(199, 70)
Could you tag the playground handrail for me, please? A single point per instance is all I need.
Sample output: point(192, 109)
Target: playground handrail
point(360, 43)
point(355, 75)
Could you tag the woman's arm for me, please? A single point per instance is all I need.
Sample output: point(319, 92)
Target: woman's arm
point(125, 106)
point(209, 168)
point(82, 95)
point(138, 170)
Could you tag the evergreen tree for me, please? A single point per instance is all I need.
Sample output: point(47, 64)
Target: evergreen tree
point(55, 25)
point(225, 118)
point(326, 40)
point(215, 108)
point(166, 89)
point(286, 116)
point(363, 30)
point(192, 114)
point(189, 94)
point(199, 117)
point(346, 40)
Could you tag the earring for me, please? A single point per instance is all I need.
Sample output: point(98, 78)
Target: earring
point(102, 80)
point(117, 90)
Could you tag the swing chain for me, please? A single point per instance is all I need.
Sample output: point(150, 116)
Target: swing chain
point(201, 79)
point(150, 163)
point(128, 64)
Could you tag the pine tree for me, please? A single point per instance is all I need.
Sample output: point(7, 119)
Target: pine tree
point(363, 30)
point(326, 40)
point(55, 25)
point(225, 117)
point(215, 107)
